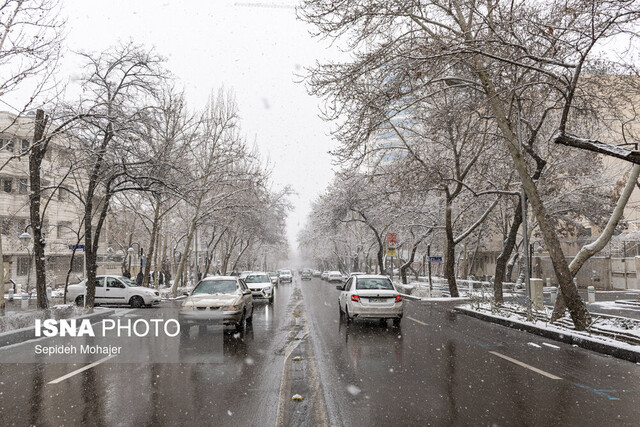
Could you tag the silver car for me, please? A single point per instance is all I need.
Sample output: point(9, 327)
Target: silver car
point(225, 299)
point(370, 296)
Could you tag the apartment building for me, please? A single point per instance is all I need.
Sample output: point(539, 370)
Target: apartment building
point(61, 211)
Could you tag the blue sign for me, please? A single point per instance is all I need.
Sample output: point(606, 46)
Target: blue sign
point(435, 259)
point(72, 247)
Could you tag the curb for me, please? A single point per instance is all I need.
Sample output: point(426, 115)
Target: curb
point(632, 303)
point(583, 342)
point(25, 334)
point(410, 297)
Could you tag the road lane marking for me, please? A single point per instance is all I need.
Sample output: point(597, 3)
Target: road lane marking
point(524, 365)
point(84, 368)
point(417, 321)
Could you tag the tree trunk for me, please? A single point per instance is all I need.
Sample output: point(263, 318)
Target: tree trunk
point(152, 244)
point(450, 252)
point(2, 303)
point(406, 265)
point(35, 160)
point(187, 246)
point(505, 254)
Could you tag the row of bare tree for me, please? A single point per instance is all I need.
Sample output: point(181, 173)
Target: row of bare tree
point(134, 159)
point(446, 111)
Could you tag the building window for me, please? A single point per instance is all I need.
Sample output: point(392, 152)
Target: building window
point(78, 263)
point(63, 194)
point(23, 185)
point(64, 229)
point(23, 266)
point(9, 145)
point(25, 145)
point(6, 225)
point(1, 143)
point(7, 185)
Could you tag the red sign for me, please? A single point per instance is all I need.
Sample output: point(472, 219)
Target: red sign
point(392, 238)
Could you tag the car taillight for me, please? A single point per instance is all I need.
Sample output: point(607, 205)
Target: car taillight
point(355, 298)
point(398, 298)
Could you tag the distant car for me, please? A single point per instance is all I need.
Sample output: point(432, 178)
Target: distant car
point(273, 276)
point(370, 296)
point(306, 275)
point(324, 275)
point(316, 273)
point(217, 298)
point(115, 290)
point(334, 276)
point(260, 285)
point(285, 276)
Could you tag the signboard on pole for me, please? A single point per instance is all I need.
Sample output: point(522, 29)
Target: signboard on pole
point(435, 259)
point(76, 247)
point(392, 243)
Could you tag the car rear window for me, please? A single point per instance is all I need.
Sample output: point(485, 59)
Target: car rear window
point(374, 284)
point(216, 287)
point(257, 278)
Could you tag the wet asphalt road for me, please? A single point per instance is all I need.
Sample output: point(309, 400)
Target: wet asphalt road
point(437, 368)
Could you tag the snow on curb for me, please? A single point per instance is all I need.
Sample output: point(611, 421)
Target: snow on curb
point(602, 345)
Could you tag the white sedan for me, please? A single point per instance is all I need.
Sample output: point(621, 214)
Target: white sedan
point(115, 290)
point(370, 296)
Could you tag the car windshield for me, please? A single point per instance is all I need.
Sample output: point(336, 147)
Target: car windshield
point(380, 283)
point(273, 274)
point(216, 287)
point(257, 278)
point(285, 272)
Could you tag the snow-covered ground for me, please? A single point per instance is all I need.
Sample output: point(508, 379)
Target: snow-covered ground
point(617, 331)
point(24, 319)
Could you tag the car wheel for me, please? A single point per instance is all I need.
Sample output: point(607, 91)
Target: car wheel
point(80, 300)
point(396, 321)
point(340, 310)
point(346, 314)
point(240, 326)
point(271, 299)
point(136, 301)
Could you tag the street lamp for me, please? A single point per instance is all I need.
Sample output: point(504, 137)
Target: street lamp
point(25, 238)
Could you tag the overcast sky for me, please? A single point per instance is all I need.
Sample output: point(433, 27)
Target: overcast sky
point(256, 51)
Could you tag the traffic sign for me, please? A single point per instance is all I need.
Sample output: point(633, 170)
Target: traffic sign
point(392, 242)
point(72, 247)
point(435, 259)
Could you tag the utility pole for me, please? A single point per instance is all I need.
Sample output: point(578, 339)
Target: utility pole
point(429, 257)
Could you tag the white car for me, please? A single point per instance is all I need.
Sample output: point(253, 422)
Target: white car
point(260, 285)
point(115, 290)
point(334, 276)
point(285, 276)
point(370, 296)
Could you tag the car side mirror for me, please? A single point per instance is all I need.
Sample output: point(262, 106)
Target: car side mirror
point(340, 287)
point(185, 293)
point(246, 293)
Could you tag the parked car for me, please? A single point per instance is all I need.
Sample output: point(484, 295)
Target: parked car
point(370, 296)
point(273, 276)
point(217, 298)
point(260, 285)
point(316, 273)
point(324, 275)
point(334, 276)
point(285, 276)
point(306, 275)
point(115, 290)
